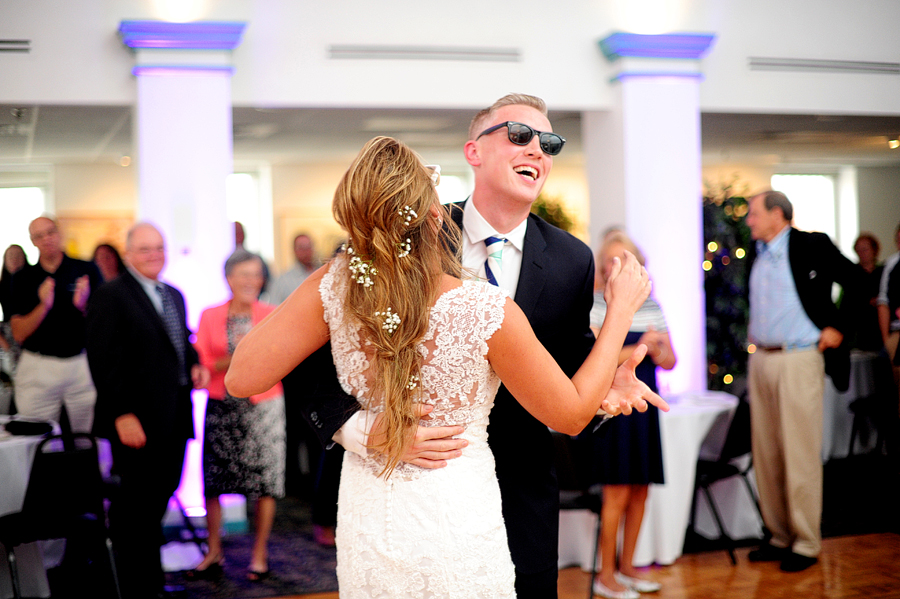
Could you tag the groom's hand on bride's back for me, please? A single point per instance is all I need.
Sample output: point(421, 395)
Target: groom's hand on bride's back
point(432, 446)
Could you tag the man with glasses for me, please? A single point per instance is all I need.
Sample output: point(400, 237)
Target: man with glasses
point(550, 274)
point(49, 300)
point(144, 365)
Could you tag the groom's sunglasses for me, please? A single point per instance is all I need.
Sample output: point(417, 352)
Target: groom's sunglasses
point(521, 134)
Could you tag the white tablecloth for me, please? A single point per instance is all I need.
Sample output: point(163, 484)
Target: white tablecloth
point(16, 457)
point(837, 417)
point(696, 426)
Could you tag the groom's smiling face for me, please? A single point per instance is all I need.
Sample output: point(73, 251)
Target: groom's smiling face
point(512, 171)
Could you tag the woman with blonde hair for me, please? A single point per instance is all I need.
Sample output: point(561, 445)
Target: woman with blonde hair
point(416, 345)
point(627, 453)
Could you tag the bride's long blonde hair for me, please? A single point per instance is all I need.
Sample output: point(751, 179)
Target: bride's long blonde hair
point(388, 204)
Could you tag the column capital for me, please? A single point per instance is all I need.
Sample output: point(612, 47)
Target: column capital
point(165, 48)
point(663, 55)
point(199, 35)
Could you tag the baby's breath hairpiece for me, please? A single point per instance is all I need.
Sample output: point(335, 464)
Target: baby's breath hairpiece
point(391, 320)
point(403, 248)
point(413, 382)
point(362, 270)
point(408, 214)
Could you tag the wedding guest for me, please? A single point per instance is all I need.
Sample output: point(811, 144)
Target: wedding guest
point(243, 447)
point(108, 260)
point(626, 453)
point(48, 305)
point(889, 308)
point(14, 260)
point(145, 367)
point(799, 335)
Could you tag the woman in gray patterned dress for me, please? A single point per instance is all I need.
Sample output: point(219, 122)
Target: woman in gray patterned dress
point(244, 447)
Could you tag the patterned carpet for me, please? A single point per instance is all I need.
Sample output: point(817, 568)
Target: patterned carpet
point(298, 565)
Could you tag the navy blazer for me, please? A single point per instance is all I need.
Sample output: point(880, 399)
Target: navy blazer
point(134, 364)
point(816, 264)
point(555, 291)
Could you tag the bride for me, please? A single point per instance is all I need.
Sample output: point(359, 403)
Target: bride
point(407, 332)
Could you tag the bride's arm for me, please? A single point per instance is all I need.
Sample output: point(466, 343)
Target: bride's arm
point(283, 339)
point(537, 382)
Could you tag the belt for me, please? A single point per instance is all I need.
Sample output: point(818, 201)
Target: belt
point(787, 347)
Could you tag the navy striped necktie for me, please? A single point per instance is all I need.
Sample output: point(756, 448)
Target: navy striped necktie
point(494, 263)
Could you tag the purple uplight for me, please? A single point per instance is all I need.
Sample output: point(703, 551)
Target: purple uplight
point(201, 35)
point(668, 45)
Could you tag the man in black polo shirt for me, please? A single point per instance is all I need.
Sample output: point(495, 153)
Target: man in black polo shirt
point(48, 303)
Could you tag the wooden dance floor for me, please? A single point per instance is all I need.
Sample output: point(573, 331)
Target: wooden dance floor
point(852, 567)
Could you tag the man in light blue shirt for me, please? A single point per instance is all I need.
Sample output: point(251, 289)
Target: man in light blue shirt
point(798, 333)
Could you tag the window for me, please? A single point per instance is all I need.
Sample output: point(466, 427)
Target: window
point(19, 206)
point(813, 197)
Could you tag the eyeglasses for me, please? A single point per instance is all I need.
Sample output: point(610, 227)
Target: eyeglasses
point(521, 134)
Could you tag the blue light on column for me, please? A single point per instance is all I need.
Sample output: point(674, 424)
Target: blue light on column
point(669, 45)
point(201, 35)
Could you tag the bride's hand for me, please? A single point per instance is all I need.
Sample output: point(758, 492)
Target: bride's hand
point(628, 392)
point(433, 445)
point(628, 285)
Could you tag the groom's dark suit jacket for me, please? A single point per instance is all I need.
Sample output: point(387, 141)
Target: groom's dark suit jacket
point(555, 291)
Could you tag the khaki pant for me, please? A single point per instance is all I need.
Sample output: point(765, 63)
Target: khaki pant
point(43, 384)
point(786, 404)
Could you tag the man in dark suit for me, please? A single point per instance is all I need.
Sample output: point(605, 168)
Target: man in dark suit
point(799, 335)
point(550, 274)
point(144, 367)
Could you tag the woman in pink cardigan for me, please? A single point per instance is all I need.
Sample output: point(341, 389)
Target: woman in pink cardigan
point(244, 446)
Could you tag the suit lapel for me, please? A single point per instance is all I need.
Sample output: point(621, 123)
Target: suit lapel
point(531, 278)
point(145, 305)
point(531, 281)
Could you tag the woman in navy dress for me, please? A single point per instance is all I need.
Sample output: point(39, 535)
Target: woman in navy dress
point(626, 453)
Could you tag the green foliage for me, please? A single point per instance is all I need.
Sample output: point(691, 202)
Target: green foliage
point(727, 242)
point(552, 211)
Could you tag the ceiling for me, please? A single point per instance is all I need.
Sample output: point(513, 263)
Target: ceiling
point(95, 134)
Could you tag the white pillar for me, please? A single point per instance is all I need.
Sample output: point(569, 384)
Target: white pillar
point(643, 160)
point(183, 155)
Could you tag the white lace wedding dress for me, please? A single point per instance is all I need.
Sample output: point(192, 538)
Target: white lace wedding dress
point(425, 533)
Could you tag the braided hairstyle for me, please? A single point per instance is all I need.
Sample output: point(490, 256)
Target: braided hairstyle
point(388, 204)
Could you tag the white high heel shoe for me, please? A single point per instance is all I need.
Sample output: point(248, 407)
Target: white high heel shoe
point(641, 586)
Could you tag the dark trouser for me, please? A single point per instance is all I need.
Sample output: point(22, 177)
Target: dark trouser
point(324, 507)
point(149, 477)
point(539, 585)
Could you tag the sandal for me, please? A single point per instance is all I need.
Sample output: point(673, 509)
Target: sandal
point(258, 576)
point(210, 572)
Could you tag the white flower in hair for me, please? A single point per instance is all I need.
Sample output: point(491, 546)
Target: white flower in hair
point(413, 382)
point(361, 270)
point(408, 214)
point(391, 320)
point(404, 248)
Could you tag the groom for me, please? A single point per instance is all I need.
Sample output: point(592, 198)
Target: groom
point(550, 274)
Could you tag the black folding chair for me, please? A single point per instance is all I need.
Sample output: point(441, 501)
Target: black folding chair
point(64, 499)
point(575, 491)
point(737, 445)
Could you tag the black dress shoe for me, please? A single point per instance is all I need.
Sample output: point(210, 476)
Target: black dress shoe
point(794, 562)
point(768, 553)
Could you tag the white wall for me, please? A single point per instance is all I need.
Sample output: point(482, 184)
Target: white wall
point(77, 58)
point(879, 205)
